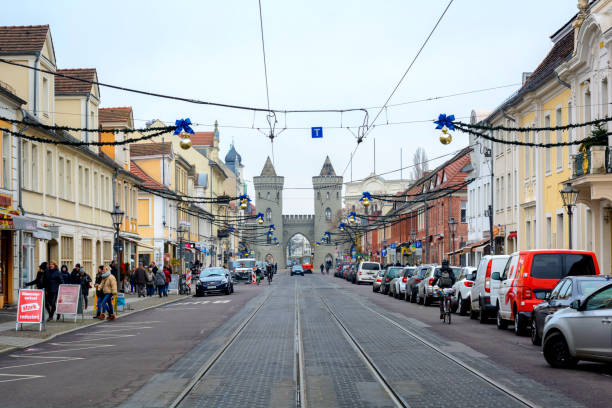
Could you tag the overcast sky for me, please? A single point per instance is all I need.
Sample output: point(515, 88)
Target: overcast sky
point(320, 54)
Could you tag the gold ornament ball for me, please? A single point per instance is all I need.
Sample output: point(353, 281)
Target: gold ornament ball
point(445, 139)
point(185, 143)
point(366, 202)
point(243, 205)
point(260, 221)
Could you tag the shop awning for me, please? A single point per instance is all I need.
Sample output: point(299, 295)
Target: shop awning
point(475, 246)
point(512, 235)
point(138, 243)
point(9, 221)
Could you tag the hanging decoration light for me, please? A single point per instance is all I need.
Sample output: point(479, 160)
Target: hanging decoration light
point(260, 218)
point(365, 199)
point(272, 229)
point(183, 129)
point(244, 201)
point(352, 217)
point(341, 226)
point(445, 123)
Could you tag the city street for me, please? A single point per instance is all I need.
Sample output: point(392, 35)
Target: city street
point(303, 341)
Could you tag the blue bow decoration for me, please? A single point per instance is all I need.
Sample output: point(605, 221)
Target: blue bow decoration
point(183, 125)
point(271, 227)
point(341, 226)
point(260, 216)
point(365, 195)
point(245, 197)
point(445, 121)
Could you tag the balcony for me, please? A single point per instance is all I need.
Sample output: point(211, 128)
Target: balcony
point(595, 161)
point(592, 176)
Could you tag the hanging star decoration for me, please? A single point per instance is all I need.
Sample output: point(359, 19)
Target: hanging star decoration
point(365, 199)
point(445, 123)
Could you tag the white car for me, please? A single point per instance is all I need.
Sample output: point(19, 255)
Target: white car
point(398, 285)
point(483, 294)
point(367, 272)
point(582, 331)
point(460, 299)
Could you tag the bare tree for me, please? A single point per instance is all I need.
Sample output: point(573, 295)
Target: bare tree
point(419, 161)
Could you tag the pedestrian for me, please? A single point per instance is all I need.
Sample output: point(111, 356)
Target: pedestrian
point(74, 275)
point(168, 275)
point(160, 282)
point(66, 277)
point(114, 270)
point(108, 286)
point(140, 279)
point(322, 267)
point(85, 282)
point(52, 279)
point(258, 275)
point(133, 280)
point(150, 282)
point(39, 281)
point(99, 293)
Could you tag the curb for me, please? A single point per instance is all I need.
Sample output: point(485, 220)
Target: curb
point(93, 323)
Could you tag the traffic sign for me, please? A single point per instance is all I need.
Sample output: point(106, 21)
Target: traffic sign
point(317, 132)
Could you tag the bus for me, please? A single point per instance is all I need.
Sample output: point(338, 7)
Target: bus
point(307, 263)
point(243, 268)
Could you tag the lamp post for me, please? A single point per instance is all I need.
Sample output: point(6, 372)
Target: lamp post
point(569, 195)
point(452, 227)
point(413, 236)
point(180, 231)
point(117, 217)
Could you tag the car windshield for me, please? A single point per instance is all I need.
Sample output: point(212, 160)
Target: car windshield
point(586, 287)
point(381, 273)
point(296, 268)
point(212, 272)
point(393, 272)
point(244, 263)
point(370, 266)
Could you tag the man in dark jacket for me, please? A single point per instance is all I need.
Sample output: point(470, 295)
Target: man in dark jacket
point(53, 279)
point(444, 277)
point(74, 275)
point(39, 282)
point(140, 279)
point(114, 271)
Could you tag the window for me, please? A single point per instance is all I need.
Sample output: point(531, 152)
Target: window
point(96, 190)
point(600, 300)
point(6, 160)
point(560, 232)
point(86, 196)
point(44, 97)
point(35, 169)
point(570, 132)
point(566, 292)
point(547, 152)
point(68, 188)
point(589, 230)
point(464, 211)
point(81, 185)
point(528, 234)
point(318, 195)
point(337, 195)
point(509, 190)
point(327, 195)
point(502, 194)
point(25, 164)
point(50, 174)
point(548, 232)
point(559, 150)
point(269, 214)
point(527, 154)
point(587, 113)
point(67, 256)
point(328, 214)
point(60, 177)
point(87, 255)
point(534, 139)
point(268, 195)
point(107, 253)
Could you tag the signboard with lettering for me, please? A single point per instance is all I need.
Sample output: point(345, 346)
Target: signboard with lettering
point(30, 307)
point(68, 300)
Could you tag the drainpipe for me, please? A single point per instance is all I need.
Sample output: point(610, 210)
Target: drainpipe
point(562, 82)
point(36, 66)
point(20, 199)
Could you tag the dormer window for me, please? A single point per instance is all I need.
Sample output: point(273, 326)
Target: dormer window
point(44, 97)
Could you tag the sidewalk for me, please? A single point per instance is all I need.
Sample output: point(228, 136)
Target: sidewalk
point(11, 339)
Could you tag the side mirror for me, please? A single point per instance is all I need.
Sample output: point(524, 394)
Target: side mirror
point(575, 304)
point(495, 276)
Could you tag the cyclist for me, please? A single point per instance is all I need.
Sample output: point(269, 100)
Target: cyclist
point(445, 279)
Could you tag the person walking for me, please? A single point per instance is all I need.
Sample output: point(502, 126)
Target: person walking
point(160, 282)
point(150, 282)
point(99, 293)
point(108, 286)
point(85, 282)
point(74, 275)
point(52, 279)
point(168, 274)
point(114, 270)
point(132, 279)
point(322, 267)
point(39, 281)
point(140, 280)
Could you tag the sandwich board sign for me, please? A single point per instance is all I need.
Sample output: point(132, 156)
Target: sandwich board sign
point(30, 308)
point(68, 300)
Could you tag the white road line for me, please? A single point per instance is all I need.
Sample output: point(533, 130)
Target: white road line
point(72, 349)
point(121, 329)
point(44, 362)
point(103, 334)
point(20, 377)
point(222, 301)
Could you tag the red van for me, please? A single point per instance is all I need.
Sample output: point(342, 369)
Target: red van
point(528, 278)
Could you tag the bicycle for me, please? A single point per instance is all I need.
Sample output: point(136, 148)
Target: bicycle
point(445, 297)
point(269, 278)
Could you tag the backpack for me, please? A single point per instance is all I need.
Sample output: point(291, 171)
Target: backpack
point(445, 279)
point(150, 277)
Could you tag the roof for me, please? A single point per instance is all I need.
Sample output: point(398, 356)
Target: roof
point(148, 181)
point(120, 114)
point(268, 169)
point(23, 39)
point(327, 169)
point(150, 149)
point(65, 85)
point(202, 138)
point(7, 91)
point(232, 156)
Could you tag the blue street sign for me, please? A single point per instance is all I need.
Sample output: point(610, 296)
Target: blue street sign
point(418, 244)
point(392, 246)
point(383, 252)
point(317, 132)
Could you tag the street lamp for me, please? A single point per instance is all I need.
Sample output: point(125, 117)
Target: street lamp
point(117, 217)
point(569, 195)
point(452, 227)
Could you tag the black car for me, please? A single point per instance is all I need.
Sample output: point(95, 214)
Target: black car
point(563, 294)
point(214, 280)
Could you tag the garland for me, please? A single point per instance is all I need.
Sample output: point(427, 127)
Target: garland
point(74, 129)
point(77, 143)
point(460, 125)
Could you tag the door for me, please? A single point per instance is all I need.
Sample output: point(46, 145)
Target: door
point(506, 292)
point(591, 328)
point(5, 256)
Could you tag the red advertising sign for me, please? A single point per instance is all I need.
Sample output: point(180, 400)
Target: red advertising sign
point(68, 299)
point(30, 307)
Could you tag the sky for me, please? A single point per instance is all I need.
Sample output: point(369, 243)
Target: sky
point(320, 54)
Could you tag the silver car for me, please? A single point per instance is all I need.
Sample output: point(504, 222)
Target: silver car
point(397, 288)
point(425, 289)
point(581, 332)
point(378, 281)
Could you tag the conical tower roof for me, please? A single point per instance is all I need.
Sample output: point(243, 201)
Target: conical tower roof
point(268, 169)
point(327, 169)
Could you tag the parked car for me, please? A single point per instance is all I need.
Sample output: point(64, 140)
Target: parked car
point(413, 283)
point(581, 332)
point(350, 275)
point(397, 288)
point(425, 289)
point(214, 280)
point(483, 294)
point(530, 276)
point(366, 272)
point(297, 270)
point(391, 273)
point(378, 281)
point(563, 294)
point(460, 299)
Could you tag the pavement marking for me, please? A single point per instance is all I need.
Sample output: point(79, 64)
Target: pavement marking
point(19, 377)
point(43, 362)
point(222, 301)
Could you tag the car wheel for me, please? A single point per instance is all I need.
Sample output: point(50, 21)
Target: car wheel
point(473, 313)
point(519, 327)
point(228, 291)
point(373, 288)
point(456, 305)
point(413, 297)
point(463, 306)
point(557, 353)
point(426, 300)
point(536, 340)
point(501, 323)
